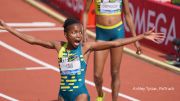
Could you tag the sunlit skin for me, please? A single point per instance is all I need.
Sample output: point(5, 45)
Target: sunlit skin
point(74, 37)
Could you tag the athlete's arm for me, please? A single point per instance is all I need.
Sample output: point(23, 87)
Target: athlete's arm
point(27, 38)
point(150, 35)
point(85, 18)
point(129, 21)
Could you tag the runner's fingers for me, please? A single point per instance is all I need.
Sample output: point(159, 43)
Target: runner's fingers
point(1, 27)
point(158, 41)
point(155, 40)
point(2, 23)
point(159, 38)
point(158, 34)
point(152, 30)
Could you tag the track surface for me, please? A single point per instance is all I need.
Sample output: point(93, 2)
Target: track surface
point(22, 78)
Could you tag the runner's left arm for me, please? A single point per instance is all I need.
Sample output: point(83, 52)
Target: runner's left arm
point(149, 35)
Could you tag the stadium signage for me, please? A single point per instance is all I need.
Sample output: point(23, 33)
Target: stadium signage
point(145, 19)
point(76, 5)
point(163, 17)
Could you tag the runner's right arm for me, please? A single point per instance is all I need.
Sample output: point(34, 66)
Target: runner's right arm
point(27, 38)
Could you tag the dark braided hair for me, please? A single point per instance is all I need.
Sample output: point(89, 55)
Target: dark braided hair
point(68, 22)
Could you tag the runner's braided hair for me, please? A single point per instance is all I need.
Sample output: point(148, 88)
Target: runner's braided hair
point(68, 22)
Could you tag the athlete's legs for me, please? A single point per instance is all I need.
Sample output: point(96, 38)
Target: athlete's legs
point(116, 55)
point(99, 61)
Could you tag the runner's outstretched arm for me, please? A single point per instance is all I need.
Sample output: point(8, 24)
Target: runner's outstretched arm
point(149, 35)
point(27, 38)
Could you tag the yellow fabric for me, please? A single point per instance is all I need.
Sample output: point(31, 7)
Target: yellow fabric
point(63, 48)
point(71, 84)
point(64, 77)
point(98, 13)
point(109, 27)
point(75, 86)
point(73, 80)
point(62, 84)
point(65, 87)
point(100, 98)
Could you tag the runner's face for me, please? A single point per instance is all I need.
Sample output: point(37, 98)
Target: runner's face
point(74, 34)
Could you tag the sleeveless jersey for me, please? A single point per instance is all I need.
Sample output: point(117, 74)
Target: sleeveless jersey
point(72, 68)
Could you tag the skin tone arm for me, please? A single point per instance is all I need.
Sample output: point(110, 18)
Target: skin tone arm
point(27, 38)
point(85, 18)
point(150, 35)
point(129, 21)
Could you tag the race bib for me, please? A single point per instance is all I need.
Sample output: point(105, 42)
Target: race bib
point(109, 6)
point(69, 66)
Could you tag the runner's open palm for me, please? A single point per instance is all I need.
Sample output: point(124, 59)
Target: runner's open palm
point(2, 24)
point(155, 37)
